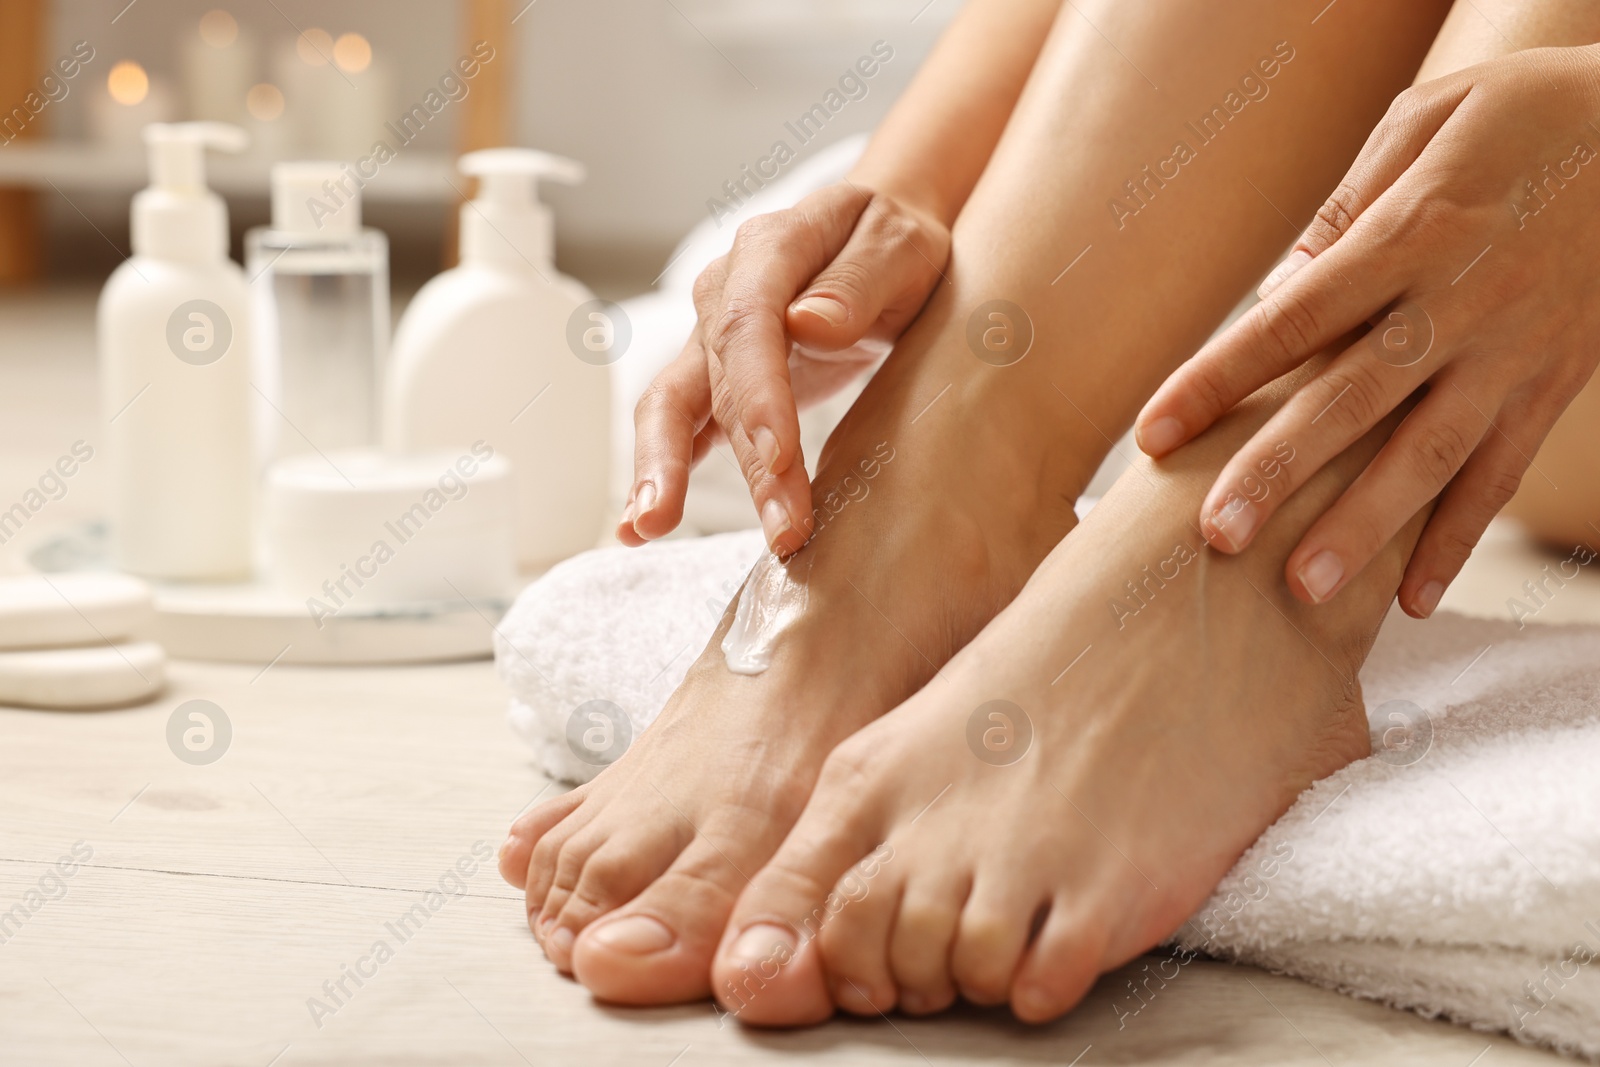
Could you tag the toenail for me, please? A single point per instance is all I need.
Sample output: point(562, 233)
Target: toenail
point(852, 996)
point(560, 940)
point(1321, 575)
point(635, 935)
point(915, 1003)
point(1234, 522)
point(1033, 1003)
point(761, 943)
point(1161, 436)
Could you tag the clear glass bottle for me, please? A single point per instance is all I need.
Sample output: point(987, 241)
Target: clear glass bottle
point(320, 300)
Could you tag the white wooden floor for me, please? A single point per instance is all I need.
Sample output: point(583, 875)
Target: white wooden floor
point(219, 899)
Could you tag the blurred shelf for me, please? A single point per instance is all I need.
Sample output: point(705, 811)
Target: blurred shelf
point(65, 166)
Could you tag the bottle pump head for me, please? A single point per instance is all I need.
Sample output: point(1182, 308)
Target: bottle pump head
point(177, 216)
point(506, 223)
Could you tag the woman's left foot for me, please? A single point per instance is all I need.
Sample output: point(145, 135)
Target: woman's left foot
point(1080, 777)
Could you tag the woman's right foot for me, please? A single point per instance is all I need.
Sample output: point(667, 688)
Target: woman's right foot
point(942, 512)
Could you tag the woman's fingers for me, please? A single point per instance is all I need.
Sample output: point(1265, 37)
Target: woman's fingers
point(885, 272)
point(1427, 451)
point(782, 499)
point(742, 302)
point(670, 423)
point(1333, 294)
point(1484, 486)
point(1327, 414)
point(1358, 253)
point(1394, 144)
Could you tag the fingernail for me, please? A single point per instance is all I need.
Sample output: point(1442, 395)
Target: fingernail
point(642, 502)
point(1233, 523)
point(1160, 437)
point(635, 935)
point(774, 521)
point(1321, 575)
point(1280, 274)
point(825, 308)
point(766, 443)
point(560, 940)
point(914, 1003)
point(505, 846)
point(1427, 598)
point(760, 943)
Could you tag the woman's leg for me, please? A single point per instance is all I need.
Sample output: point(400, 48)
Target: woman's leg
point(1115, 251)
point(1152, 706)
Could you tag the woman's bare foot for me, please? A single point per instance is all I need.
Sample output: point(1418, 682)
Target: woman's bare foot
point(1074, 783)
point(660, 845)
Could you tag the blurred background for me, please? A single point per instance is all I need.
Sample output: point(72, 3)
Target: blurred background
point(663, 100)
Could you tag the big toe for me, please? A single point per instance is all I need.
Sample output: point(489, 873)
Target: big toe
point(657, 948)
point(766, 975)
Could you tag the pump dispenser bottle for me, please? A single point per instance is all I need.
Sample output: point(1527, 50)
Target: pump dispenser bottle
point(483, 353)
point(320, 303)
point(174, 339)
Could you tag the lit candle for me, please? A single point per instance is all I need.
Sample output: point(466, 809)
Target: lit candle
point(219, 66)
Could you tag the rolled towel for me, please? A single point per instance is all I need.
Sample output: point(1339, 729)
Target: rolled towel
point(611, 633)
point(1455, 872)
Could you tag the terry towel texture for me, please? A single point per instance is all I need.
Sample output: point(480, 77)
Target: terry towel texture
point(1454, 873)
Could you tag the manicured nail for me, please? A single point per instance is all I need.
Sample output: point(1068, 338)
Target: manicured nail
point(1280, 274)
point(634, 935)
point(559, 940)
point(643, 501)
point(1160, 437)
point(774, 521)
point(1321, 575)
point(766, 443)
point(1427, 598)
point(761, 943)
point(825, 308)
point(1233, 523)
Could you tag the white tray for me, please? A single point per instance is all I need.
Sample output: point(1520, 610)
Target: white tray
point(254, 623)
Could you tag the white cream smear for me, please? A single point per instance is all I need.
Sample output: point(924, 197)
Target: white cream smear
point(769, 603)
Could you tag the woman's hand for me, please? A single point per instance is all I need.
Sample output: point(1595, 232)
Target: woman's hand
point(806, 300)
point(1465, 236)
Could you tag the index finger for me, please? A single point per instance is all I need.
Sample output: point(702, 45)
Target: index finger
point(1331, 295)
point(744, 313)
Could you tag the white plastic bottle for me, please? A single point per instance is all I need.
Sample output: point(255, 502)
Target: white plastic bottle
point(174, 338)
point(490, 351)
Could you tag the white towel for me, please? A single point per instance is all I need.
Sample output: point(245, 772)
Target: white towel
point(621, 625)
point(1456, 872)
point(1458, 877)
